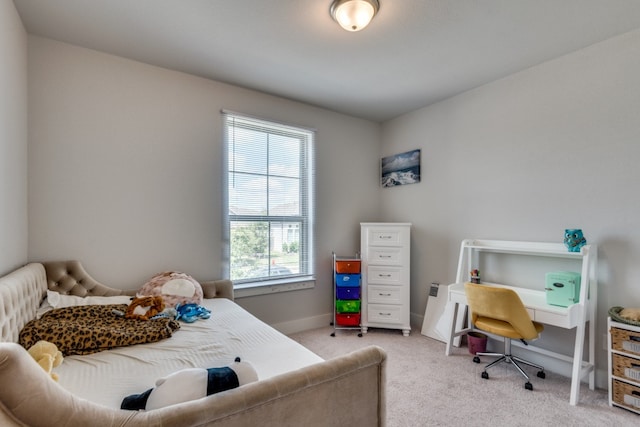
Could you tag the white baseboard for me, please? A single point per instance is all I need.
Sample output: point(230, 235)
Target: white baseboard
point(416, 320)
point(304, 324)
point(307, 323)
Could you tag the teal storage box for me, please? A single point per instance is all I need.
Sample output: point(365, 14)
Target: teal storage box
point(562, 288)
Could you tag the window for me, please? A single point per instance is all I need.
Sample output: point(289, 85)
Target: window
point(269, 197)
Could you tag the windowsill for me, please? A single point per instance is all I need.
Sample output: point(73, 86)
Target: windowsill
point(273, 286)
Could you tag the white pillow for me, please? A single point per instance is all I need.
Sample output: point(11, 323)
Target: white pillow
point(58, 300)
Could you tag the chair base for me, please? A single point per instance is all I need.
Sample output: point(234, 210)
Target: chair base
point(507, 357)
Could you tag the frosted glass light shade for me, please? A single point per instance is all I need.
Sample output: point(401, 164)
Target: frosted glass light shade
point(354, 15)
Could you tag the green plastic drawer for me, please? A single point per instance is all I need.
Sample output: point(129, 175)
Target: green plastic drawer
point(347, 306)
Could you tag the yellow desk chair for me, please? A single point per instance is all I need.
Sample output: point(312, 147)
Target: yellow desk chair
point(500, 311)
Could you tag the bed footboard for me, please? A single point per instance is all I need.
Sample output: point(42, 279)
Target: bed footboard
point(347, 390)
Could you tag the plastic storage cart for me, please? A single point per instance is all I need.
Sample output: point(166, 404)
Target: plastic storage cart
point(346, 294)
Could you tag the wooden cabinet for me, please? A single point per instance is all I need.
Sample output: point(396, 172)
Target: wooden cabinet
point(385, 254)
point(624, 365)
point(346, 293)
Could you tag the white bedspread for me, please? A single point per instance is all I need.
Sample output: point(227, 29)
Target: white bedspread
point(107, 377)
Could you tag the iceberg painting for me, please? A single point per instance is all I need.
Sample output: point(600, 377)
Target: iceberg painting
point(400, 169)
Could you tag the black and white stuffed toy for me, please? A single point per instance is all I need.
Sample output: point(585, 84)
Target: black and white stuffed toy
point(190, 384)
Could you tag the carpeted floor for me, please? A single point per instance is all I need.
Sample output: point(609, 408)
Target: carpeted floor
point(427, 388)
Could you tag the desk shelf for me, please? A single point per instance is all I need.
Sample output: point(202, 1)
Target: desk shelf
point(544, 249)
point(580, 315)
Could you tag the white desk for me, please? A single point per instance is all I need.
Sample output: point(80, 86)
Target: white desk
point(535, 303)
point(580, 316)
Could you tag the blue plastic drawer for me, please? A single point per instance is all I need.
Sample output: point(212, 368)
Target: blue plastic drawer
point(350, 280)
point(348, 292)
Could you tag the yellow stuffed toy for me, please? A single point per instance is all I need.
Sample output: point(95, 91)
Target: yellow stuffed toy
point(47, 355)
point(631, 314)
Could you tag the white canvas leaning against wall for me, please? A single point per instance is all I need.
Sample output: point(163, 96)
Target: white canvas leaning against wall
point(438, 313)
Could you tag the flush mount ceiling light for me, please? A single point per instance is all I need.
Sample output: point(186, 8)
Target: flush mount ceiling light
point(354, 15)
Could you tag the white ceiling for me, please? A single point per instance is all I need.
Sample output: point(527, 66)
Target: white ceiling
point(414, 52)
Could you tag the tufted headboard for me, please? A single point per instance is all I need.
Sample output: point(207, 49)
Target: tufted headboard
point(23, 290)
point(70, 278)
point(21, 293)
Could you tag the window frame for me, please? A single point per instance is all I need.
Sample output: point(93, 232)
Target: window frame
point(306, 216)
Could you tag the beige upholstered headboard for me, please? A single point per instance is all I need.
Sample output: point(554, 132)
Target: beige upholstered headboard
point(21, 293)
point(70, 278)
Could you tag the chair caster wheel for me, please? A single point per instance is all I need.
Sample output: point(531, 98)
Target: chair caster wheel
point(542, 375)
point(360, 334)
point(485, 375)
point(476, 359)
point(333, 334)
point(528, 386)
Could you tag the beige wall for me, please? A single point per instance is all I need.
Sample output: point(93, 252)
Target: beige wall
point(555, 146)
point(125, 172)
point(13, 139)
point(124, 169)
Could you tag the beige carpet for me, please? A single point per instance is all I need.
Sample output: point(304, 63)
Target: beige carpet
point(426, 388)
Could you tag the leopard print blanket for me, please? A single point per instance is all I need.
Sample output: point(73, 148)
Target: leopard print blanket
point(89, 329)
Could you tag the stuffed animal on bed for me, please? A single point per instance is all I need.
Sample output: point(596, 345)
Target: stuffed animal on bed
point(47, 355)
point(174, 288)
point(191, 312)
point(144, 308)
point(190, 384)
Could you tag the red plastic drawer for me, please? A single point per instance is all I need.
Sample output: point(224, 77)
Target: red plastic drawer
point(348, 267)
point(347, 319)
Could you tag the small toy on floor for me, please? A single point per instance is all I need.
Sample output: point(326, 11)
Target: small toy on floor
point(190, 384)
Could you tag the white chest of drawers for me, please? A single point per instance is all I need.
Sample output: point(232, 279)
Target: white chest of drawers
point(385, 254)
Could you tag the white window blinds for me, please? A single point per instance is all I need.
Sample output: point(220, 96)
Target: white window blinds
point(269, 197)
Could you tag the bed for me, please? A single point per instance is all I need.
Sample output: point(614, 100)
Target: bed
point(295, 386)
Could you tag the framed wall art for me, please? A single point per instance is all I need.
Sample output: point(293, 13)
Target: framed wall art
point(400, 169)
